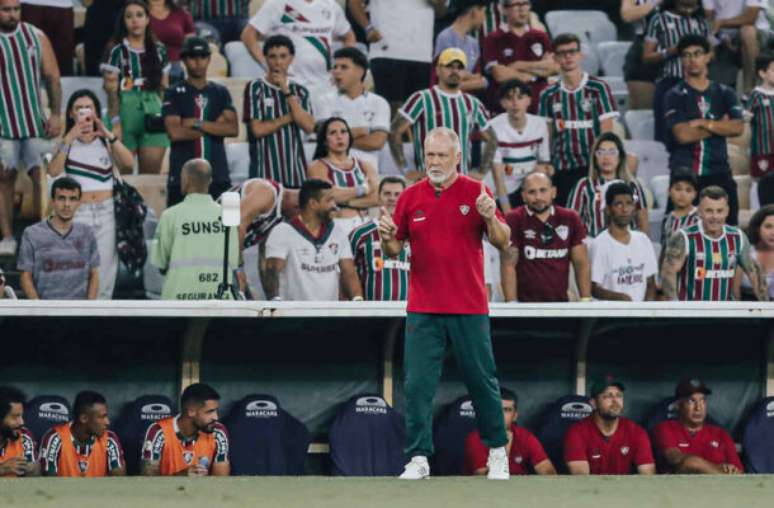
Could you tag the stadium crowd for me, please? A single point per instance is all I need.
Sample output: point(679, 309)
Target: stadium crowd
point(344, 93)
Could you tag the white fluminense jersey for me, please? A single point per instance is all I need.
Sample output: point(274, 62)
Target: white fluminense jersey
point(518, 151)
point(311, 264)
point(312, 26)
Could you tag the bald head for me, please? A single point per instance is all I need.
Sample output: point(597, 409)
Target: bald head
point(536, 178)
point(538, 192)
point(196, 176)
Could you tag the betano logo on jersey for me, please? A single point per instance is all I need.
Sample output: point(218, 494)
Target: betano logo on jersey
point(531, 252)
point(371, 405)
point(261, 409)
point(702, 273)
point(380, 264)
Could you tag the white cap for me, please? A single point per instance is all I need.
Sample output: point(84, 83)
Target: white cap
point(230, 214)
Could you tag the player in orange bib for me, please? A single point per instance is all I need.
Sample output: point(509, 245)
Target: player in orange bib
point(193, 443)
point(17, 447)
point(84, 447)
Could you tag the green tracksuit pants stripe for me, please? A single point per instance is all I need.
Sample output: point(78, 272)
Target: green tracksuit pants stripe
point(425, 348)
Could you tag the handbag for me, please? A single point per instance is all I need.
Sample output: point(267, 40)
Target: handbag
point(154, 123)
point(130, 213)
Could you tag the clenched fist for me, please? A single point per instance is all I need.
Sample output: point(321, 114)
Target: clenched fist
point(485, 204)
point(387, 227)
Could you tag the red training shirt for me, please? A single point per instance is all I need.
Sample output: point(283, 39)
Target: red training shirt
point(526, 450)
point(620, 453)
point(504, 47)
point(543, 269)
point(445, 232)
point(711, 443)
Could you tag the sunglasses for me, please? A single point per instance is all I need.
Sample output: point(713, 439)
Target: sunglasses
point(547, 235)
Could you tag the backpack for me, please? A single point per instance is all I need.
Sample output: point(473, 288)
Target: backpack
point(130, 212)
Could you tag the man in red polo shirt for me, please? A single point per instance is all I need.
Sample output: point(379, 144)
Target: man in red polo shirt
point(689, 444)
point(545, 239)
point(444, 218)
point(606, 442)
point(517, 51)
point(525, 453)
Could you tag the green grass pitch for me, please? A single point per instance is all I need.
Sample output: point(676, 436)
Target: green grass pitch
point(325, 492)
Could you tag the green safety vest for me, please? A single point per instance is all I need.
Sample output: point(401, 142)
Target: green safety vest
point(189, 245)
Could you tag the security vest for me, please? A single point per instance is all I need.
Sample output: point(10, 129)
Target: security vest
point(189, 245)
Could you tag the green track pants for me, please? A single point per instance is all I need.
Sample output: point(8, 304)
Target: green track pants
point(425, 348)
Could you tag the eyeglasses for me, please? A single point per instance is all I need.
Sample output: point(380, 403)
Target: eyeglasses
point(547, 235)
point(693, 55)
point(567, 52)
point(601, 152)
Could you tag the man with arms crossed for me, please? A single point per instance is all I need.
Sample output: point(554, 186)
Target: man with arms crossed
point(193, 443)
point(444, 217)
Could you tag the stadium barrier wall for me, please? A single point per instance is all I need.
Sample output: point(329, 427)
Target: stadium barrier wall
point(315, 355)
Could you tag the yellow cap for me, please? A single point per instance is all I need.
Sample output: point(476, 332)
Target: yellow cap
point(450, 55)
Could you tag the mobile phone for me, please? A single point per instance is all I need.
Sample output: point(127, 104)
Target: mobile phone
point(84, 113)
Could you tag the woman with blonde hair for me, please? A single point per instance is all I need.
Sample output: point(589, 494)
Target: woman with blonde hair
point(608, 164)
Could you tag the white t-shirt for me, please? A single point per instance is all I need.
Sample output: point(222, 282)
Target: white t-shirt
point(62, 4)
point(623, 268)
point(726, 9)
point(519, 152)
point(406, 27)
point(312, 26)
point(311, 271)
point(366, 110)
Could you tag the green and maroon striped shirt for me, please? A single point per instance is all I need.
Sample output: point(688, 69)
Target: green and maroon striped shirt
point(710, 265)
point(575, 118)
point(432, 107)
point(278, 156)
point(761, 106)
point(207, 9)
point(383, 278)
point(21, 110)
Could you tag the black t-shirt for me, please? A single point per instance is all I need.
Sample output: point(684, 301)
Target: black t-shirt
point(207, 104)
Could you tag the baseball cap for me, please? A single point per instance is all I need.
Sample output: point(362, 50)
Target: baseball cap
point(689, 386)
point(195, 46)
point(600, 384)
point(450, 55)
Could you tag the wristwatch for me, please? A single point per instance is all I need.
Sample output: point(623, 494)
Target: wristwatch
point(113, 139)
point(197, 125)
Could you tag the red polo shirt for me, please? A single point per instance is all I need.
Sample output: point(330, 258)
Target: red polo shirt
point(504, 47)
point(526, 451)
point(444, 231)
point(620, 453)
point(711, 443)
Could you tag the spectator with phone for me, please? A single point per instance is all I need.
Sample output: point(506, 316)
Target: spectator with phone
point(89, 153)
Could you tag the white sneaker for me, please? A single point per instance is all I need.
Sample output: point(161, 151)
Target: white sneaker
point(498, 464)
point(417, 469)
point(7, 247)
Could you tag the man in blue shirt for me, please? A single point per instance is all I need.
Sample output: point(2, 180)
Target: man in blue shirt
point(700, 115)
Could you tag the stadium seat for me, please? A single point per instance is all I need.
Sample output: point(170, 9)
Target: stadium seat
point(557, 418)
point(590, 62)
point(666, 409)
point(208, 32)
point(134, 422)
point(387, 163)
point(612, 55)
point(594, 25)
point(640, 123)
point(743, 183)
point(652, 156)
point(655, 216)
point(739, 159)
point(452, 426)
point(152, 188)
point(236, 87)
point(152, 279)
point(238, 159)
point(620, 92)
point(659, 185)
point(218, 67)
point(367, 438)
point(758, 438)
point(266, 439)
point(241, 61)
point(45, 411)
point(75, 83)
